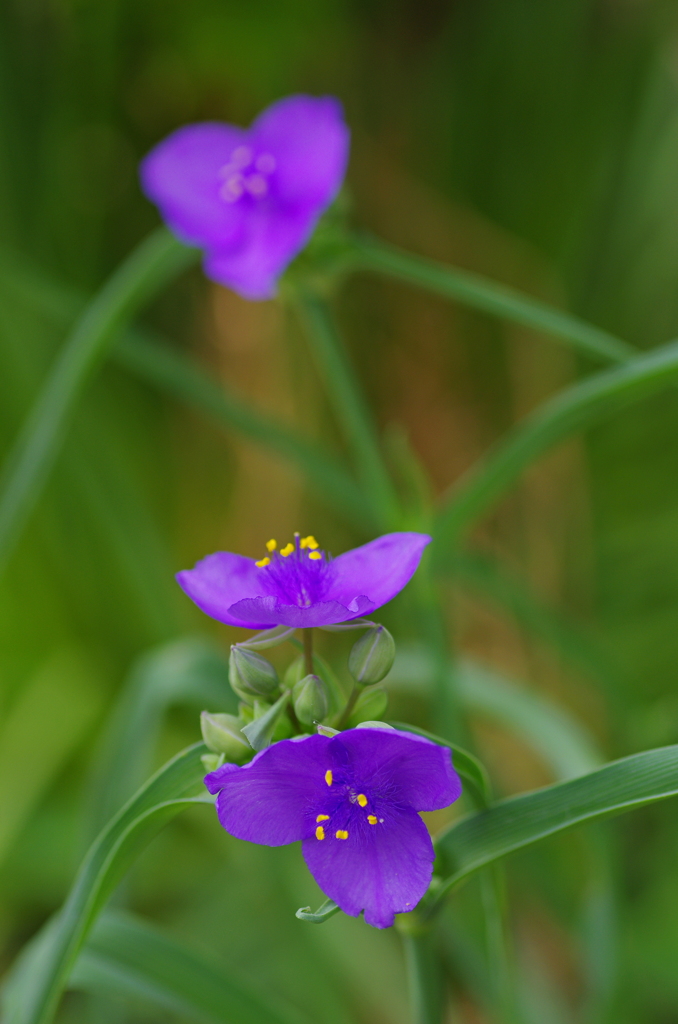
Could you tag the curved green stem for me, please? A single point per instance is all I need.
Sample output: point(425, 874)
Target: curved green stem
point(569, 412)
point(424, 974)
point(490, 297)
point(155, 262)
point(349, 406)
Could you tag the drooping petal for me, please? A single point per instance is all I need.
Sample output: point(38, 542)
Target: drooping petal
point(221, 580)
point(181, 176)
point(400, 766)
point(273, 799)
point(271, 238)
point(320, 613)
point(309, 140)
point(383, 869)
point(378, 570)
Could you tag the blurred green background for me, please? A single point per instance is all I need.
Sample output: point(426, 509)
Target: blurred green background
point(534, 141)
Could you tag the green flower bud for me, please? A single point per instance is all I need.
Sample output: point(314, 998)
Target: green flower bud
point(311, 700)
point(222, 735)
point(369, 706)
point(372, 656)
point(251, 675)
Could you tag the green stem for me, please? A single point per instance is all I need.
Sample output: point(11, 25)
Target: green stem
point(155, 262)
point(349, 406)
point(350, 704)
point(424, 973)
point(569, 412)
point(489, 297)
point(493, 895)
point(308, 650)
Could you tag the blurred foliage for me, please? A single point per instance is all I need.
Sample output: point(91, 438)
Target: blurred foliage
point(535, 141)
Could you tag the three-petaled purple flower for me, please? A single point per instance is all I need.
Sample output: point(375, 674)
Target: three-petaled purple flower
point(299, 586)
point(251, 198)
point(353, 801)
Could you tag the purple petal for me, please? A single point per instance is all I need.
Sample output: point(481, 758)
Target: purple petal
point(271, 238)
point(181, 176)
point(309, 139)
point(383, 869)
point(320, 613)
point(417, 772)
point(220, 581)
point(273, 799)
point(379, 569)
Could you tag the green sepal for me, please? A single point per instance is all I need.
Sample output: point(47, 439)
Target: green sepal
point(260, 731)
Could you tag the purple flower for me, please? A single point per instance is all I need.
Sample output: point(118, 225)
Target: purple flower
point(299, 586)
point(251, 198)
point(353, 801)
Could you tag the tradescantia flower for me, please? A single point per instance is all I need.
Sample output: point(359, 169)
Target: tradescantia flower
point(299, 585)
point(251, 197)
point(353, 801)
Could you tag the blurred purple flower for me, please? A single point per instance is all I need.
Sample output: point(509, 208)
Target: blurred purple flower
point(353, 801)
point(299, 586)
point(251, 198)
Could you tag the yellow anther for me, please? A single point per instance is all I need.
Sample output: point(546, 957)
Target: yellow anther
point(362, 800)
point(341, 834)
point(320, 832)
point(323, 817)
point(328, 776)
point(315, 555)
point(309, 542)
point(271, 544)
point(263, 562)
point(287, 550)
point(372, 820)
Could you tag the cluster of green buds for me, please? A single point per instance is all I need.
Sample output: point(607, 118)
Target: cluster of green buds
point(271, 710)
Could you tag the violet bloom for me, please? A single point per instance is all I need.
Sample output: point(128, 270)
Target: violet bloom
point(353, 801)
point(251, 197)
point(299, 586)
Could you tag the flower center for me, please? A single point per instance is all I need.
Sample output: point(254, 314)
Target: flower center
point(246, 173)
point(298, 571)
point(342, 813)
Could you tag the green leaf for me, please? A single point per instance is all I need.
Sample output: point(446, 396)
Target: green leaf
point(189, 671)
point(43, 969)
point(324, 912)
point(126, 956)
point(512, 824)
point(491, 297)
point(468, 766)
point(260, 731)
point(156, 261)
point(569, 412)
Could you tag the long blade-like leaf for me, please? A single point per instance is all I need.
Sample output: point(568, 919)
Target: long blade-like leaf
point(569, 412)
point(519, 821)
point(491, 297)
point(157, 260)
point(125, 956)
point(43, 969)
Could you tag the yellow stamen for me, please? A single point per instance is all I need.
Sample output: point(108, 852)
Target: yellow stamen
point(263, 562)
point(341, 834)
point(309, 542)
point(287, 550)
point(271, 544)
point(320, 832)
point(362, 800)
point(323, 817)
point(328, 776)
point(372, 820)
point(315, 555)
